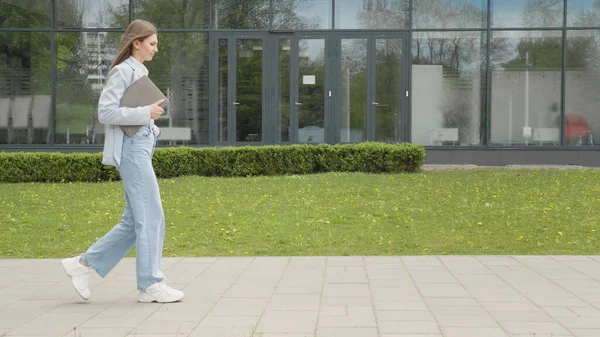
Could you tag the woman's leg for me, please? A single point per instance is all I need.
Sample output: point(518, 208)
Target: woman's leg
point(105, 253)
point(141, 186)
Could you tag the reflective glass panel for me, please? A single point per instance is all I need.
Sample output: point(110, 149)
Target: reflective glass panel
point(388, 90)
point(372, 14)
point(526, 88)
point(311, 91)
point(25, 13)
point(83, 61)
point(302, 14)
point(583, 13)
point(582, 81)
point(284, 72)
point(241, 14)
point(527, 13)
point(174, 13)
point(180, 69)
point(354, 88)
point(450, 14)
point(448, 86)
point(91, 13)
point(25, 101)
point(248, 100)
point(223, 91)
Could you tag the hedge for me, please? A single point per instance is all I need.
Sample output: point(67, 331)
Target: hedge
point(223, 162)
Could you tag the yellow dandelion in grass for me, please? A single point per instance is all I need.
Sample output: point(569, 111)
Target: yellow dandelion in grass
point(560, 233)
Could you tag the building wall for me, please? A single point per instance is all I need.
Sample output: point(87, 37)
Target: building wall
point(52, 67)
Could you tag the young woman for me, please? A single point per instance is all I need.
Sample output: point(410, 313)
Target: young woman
point(142, 222)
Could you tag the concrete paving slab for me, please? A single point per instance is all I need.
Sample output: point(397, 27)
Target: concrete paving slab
point(397, 296)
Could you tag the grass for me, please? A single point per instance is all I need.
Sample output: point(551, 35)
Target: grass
point(438, 212)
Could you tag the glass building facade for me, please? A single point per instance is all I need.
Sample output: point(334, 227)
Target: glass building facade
point(442, 73)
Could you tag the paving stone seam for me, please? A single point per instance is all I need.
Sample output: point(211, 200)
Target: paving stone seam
point(323, 280)
point(475, 298)
point(564, 288)
point(566, 265)
point(217, 301)
point(421, 294)
point(274, 290)
point(512, 257)
point(41, 314)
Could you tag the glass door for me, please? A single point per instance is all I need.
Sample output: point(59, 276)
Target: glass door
point(238, 99)
point(302, 94)
point(371, 91)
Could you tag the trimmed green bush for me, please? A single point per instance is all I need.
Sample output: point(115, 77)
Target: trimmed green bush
point(224, 162)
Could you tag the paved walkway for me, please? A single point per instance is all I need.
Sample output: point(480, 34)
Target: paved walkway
point(433, 296)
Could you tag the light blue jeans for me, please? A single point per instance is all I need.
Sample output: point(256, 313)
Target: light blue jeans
point(142, 222)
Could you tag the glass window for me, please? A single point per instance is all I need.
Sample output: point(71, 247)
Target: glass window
point(241, 14)
point(448, 85)
point(582, 79)
point(180, 69)
point(302, 14)
point(526, 13)
point(311, 90)
point(354, 80)
point(175, 13)
point(25, 101)
point(526, 87)
point(91, 13)
point(24, 13)
point(374, 14)
point(82, 64)
point(450, 14)
point(583, 13)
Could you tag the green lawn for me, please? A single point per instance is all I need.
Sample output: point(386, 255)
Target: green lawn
point(439, 212)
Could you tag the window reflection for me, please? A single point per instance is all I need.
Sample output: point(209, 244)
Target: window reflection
point(354, 88)
point(448, 84)
point(526, 13)
point(302, 14)
point(582, 120)
point(249, 77)
point(526, 87)
point(91, 13)
point(174, 13)
point(81, 75)
point(359, 14)
point(583, 13)
point(311, 91)
point(241, 14)
point(182, 74)
point(450, 14)
point(25, 102)
point(388, 90)
point(24, 13)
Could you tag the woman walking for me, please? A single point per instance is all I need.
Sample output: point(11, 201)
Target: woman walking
point(142, 223)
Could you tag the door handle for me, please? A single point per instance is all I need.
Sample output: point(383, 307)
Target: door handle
point(375, 104)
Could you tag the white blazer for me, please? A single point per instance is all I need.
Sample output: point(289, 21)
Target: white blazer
point(120, 78)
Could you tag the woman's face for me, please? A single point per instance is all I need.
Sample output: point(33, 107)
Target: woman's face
point(145, 50)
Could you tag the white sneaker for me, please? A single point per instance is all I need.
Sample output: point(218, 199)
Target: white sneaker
point(161, 293)
point(79, 274)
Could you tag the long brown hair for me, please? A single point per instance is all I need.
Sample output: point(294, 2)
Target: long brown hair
point(137, 30)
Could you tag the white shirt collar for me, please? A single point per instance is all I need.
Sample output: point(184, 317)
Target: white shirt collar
point(139, 66)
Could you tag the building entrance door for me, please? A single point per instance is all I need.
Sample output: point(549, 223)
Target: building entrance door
point(301, 82)
point(371, 87)
point(238, 104)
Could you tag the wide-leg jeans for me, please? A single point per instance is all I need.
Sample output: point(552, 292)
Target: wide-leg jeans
point(142, 223)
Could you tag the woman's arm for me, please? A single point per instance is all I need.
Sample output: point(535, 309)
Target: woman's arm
point(109, 111)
